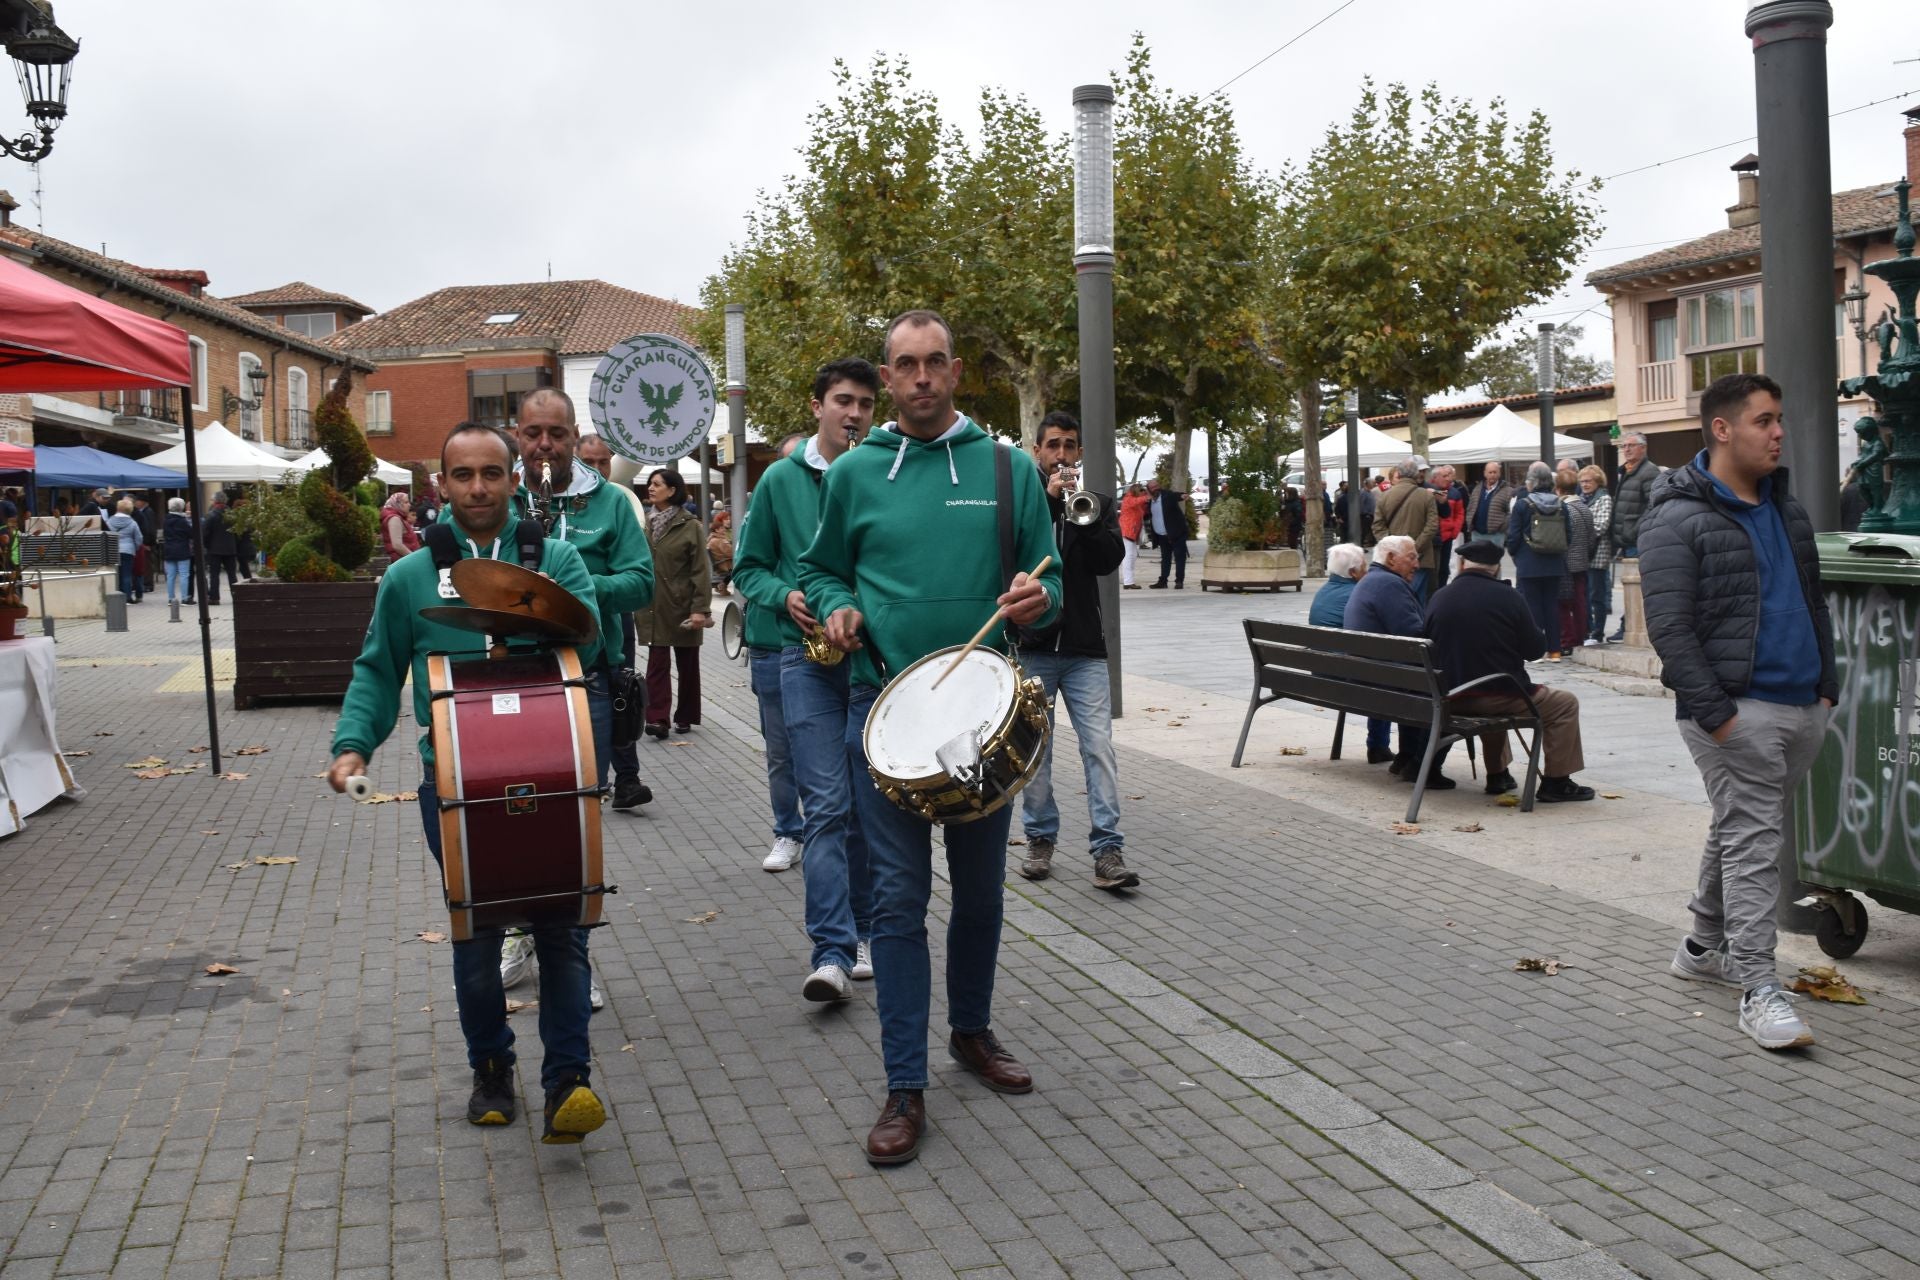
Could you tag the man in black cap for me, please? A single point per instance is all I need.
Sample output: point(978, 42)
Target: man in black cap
point(1480, 626)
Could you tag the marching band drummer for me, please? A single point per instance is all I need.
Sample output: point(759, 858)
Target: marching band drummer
point(476, 469)
point(908, 560)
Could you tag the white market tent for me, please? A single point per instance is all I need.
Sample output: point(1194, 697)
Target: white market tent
point(1377, 449)
point(1504, 436)
point(225, 458)
point(385, 472)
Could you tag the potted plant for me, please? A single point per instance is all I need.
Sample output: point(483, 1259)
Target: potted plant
point(13, 603)
point(1237, 558)
point(297, 635)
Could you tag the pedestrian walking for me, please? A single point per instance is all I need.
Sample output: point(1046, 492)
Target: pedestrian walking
point(1133, 520)
point(1168, 519)
point(1573, 587)
point(682, 605)
point(1069, 658)
point(176, 551)
point(1632, 491)
point(221, 547)
point(127, 530)
point(1731, 579)
point(1539, 530)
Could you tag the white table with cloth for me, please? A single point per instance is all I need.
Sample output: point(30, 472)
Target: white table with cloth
point(32, 773)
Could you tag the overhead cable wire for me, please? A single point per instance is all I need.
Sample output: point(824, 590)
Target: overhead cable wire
point(1288, 45)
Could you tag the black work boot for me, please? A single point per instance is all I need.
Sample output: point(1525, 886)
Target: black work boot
point(492, 1101)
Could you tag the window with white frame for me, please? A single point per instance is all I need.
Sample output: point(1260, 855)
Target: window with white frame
point(249, 418)
point(379, 413)
point(1722, 328)
point(298, 421)
point(198, 350)
point(310, 324)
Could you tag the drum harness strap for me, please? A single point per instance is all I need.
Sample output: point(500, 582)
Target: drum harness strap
point(1003, 503)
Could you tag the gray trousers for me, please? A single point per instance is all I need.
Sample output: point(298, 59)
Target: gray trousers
point(1749, 777)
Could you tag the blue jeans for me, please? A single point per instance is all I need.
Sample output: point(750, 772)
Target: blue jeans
point(1420, 577)
point(600, 711)
point(902, 846)
point(814, 700)
point(129, 582)
point(564, 1007)
point(1543, 603)
point(179, 579)
point(1083, 682)
point(1379, 734)
point(764, 676)
point(1599, 599)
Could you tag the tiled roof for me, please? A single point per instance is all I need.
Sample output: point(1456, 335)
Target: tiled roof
point(298, 291)
point(143, 282)
point(1475, 408)
point(1860, 211)
point(569, 316)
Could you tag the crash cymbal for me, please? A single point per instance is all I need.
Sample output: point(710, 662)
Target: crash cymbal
point(500, 624)
point(503, 585)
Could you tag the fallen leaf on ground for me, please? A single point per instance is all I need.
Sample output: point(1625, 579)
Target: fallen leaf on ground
point(426, 1008)
point(1470, 827)
point(274, 860)
point(237, 866)
point(515, 1006)
point(1405, 828)
point(1154, 708)
point(1013, 842)
point(1136, 797)
point(1293, 751)
point(76, 755)
point(626, 1048)
point(705, 917)
point(1611, 795)
point(219, 970)
point(231, 776)
point(430, 935)
point(209, 833)
point(151, 773)
point(1634, 858)
point(285, 992)
point(1548, 965)
point(251, 751)
point(151, 762)
point(1176, 724)
point(1508, 801)
point(1823, 982)
point(196, 750)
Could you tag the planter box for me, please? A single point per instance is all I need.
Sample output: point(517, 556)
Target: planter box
point(298, 639)
point(73, 595)
point(1250, 570)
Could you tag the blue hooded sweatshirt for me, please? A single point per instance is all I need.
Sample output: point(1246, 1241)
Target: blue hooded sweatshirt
point(1786, 653)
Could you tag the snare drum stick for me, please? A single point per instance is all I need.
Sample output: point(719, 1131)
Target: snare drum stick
point(998, 615)
point(359, 786)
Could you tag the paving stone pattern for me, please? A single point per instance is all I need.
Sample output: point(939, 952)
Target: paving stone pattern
point(1299, 1049)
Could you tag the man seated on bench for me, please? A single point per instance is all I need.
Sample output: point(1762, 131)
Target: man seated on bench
point(1384, 603)
point(1479, 625)
point(1346, 565)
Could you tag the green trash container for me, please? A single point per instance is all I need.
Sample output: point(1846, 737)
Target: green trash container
point(1855, 824)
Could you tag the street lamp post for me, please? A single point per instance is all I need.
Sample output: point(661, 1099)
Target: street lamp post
point(737, 411)
point(43, 62)
point(1544, 383)
point(1093, 271)
point(257, 380)
point(1355, 531)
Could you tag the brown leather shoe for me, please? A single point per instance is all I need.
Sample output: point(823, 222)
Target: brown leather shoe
point(895, 1139)
point(998, 1070)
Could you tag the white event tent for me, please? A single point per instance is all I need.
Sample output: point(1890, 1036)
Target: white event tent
point(385, 472)
point(1504, 436)
point(1377, 449)
point(225, 458)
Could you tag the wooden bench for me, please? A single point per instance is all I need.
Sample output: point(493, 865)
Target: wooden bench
point(1386, 677)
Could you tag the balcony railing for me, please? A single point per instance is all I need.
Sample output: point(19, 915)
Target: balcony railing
point(299, 429)
point(143, 406)
point(1659, 382)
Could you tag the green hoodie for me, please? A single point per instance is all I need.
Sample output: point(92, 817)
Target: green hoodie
point(605, 533)
point(910, 536)
point(399, 640)
point(779, 525)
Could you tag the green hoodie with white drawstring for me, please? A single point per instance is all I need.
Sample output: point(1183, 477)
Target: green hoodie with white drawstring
point(910, 536)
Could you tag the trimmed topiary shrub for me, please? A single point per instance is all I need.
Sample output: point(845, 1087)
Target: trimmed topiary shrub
point(344, 531)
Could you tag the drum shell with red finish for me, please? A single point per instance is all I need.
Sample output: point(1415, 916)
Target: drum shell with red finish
point(515, 771)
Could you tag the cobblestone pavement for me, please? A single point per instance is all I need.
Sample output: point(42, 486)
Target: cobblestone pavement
point(1300, 1048)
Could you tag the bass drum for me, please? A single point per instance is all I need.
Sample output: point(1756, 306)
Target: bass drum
point(733, 629)
point(519, 801)
point(959, 752)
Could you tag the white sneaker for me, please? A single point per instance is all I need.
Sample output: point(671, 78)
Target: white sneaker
point(1590, 643)
point(516, 959)
point(595, 1000)
point(862, 970)
point(1708, 967)
point(827, 983)
point(786, 852)
point(1768, 1016)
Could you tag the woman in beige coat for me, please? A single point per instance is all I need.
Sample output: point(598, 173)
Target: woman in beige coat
point(682, 604)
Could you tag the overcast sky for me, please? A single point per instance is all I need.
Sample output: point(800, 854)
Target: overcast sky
point(388, 149)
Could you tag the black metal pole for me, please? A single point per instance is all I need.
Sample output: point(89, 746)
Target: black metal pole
point(200, 559)
point(1093, 274)
point(1796, 252)
point(1545, 383)
point(1355, 532)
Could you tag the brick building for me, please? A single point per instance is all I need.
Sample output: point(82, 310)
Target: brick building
point(309, 312)
point(471, 352)
point(228, 343)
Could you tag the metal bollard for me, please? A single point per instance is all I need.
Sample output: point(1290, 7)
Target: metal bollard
point(173, 611)
point(116, 611)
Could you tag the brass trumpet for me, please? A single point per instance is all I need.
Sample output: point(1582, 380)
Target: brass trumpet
point(818, 650)
point(1083, 508)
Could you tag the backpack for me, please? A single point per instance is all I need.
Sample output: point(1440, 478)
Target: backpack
point(1549, 538)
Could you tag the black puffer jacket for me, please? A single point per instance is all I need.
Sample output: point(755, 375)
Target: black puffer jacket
point(1086, 553)
point(1700, 579)
point(1632, 498)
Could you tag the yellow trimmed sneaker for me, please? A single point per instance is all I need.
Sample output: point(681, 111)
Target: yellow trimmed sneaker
point(492, 1101)
point(573, 1112)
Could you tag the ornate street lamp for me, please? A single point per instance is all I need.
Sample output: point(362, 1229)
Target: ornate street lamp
point(257, 379)
point(43, 60)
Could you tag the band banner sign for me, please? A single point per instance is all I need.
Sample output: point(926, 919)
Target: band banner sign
point(652, 399)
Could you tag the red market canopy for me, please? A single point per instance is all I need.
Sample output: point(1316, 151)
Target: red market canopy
point(14, 457)
point(56, 338)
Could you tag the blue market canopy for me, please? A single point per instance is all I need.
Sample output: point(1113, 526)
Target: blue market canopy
point(78, 467)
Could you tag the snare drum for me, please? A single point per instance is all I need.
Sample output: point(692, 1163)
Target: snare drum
point(959, 752)
point(519, 805)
